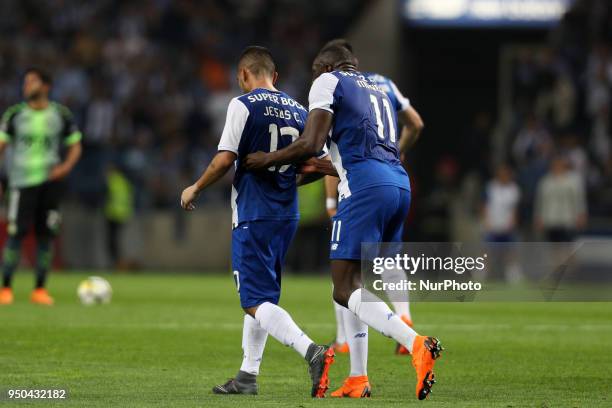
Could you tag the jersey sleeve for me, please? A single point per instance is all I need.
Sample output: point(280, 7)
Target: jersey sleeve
point(71, 133)
point(321, 94)
point(402, 102)
point(235, 121)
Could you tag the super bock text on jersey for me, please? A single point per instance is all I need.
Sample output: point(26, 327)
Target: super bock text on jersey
point(374, 189)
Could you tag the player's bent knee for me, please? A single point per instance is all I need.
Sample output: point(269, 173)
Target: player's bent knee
point(341, 296)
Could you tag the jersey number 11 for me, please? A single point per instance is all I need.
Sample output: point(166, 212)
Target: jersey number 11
point(379, 123)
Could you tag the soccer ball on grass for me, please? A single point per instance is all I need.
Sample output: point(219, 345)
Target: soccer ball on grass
point(95, 290)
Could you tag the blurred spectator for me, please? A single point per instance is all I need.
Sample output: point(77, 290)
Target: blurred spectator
point(532, 149)
point(500, 219)
point(533, 142)
point(570, 148)
point(118, 211)
point(500, 215)
point(560, 208)
point(563, 102)
point(599, 77)
point(100, 116)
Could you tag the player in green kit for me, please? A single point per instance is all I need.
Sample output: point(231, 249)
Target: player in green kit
point(45, 144)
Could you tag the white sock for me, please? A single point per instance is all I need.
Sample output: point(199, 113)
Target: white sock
point(376, 314)
point(402, 309)
point(253, 344)
point(357, 337)
point(277, 322)
point(399, 299)
point(340, 334)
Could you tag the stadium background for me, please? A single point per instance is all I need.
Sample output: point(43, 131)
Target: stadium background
point(149, 83)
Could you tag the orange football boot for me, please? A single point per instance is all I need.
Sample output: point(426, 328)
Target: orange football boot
point(324, 362)
point(354, 387)
point(425, 350)
point(399, 349)
point(6, 296)
point(341, 348)
point(41, 296)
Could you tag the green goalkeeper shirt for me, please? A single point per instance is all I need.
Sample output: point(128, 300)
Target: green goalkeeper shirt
point(36, 137)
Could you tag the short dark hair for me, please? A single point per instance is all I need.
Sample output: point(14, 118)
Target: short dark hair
point(336, 55)
point(342, 42)
point(43, 75)
point(258, 60)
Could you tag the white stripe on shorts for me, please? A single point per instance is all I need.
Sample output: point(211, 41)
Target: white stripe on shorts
point(13, 204)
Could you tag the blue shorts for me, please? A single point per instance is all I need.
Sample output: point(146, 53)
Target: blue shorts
point(375, 214)
point(258, 254)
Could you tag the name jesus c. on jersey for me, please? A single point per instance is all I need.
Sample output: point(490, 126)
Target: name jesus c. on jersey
point(263, 120)
point(364, 134)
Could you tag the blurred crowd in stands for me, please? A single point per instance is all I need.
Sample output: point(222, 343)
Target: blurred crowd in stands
point(557, 171)
point(149, 80)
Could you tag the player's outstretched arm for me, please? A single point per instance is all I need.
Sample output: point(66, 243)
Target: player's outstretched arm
point(217, 168)
point(413, 126)
point(309, 144)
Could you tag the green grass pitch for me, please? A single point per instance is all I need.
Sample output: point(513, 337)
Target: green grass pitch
point(166, 340)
